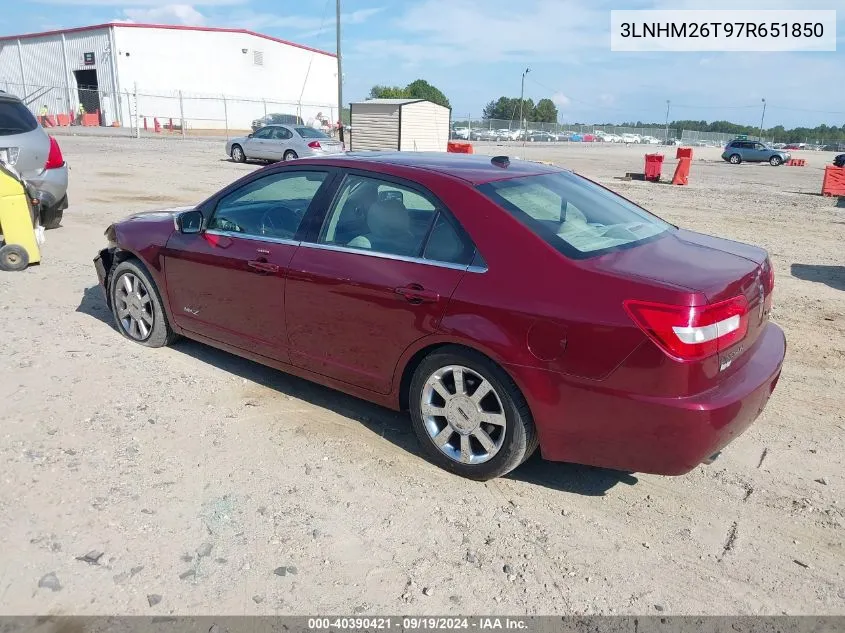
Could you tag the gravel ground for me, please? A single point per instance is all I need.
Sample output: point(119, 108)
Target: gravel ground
point(186, 480)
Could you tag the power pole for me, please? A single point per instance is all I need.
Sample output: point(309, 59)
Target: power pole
point(762, 118)
point(521, 95)
point(666, 134)
point(339, 77)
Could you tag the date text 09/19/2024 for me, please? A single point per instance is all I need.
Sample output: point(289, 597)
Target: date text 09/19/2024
point(416, 623)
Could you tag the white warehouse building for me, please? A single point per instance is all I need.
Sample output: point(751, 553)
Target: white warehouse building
point(210, 78)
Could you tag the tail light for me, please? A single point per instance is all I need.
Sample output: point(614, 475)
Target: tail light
point(688, 333)
point(315, 145)
point(768, 275)
point(54, 158)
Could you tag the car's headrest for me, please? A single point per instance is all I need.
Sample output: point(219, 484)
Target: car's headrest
point(388, 217)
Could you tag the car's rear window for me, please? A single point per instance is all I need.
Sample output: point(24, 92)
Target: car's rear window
point(576, 216)
point(15, 118)
point(310, 132)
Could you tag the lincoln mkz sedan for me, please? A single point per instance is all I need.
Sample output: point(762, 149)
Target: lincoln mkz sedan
point(506, 304)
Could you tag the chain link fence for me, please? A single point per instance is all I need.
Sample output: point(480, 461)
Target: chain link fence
point(137, 111)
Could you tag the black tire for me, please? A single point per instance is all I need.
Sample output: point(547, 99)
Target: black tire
point(160, 334)
point(238, 154)
point(520, 436)
point(774, 161)
point(51, 218)
point(13, 258)
point(734, 159)
point(289, 155)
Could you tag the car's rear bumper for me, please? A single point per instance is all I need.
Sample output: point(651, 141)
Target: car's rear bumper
point(50, 185)
point(666, 436)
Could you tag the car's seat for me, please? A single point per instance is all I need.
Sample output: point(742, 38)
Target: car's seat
point(389, 230)
point(352, 220)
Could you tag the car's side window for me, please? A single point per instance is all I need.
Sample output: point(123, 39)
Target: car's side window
point(263, 133)
point(446, 244)
point(281, 134)
point(379, 216)
point(271, 206)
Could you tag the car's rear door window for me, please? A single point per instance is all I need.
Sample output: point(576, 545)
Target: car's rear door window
point(15, 118)
point(383, 217)
point(576, 216)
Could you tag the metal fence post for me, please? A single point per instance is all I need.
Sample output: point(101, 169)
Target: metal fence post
point(226, 116)
point(137, 118)
point(181, 115)
point(264, 101)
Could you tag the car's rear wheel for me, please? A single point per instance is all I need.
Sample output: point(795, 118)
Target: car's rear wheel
point(238, 154)
point(735, 159)
point(290, 155)
point(469, 415)
point(774, 161)
point(51, 218)
point(137, 306)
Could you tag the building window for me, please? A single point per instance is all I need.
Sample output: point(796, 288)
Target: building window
point(258, 58)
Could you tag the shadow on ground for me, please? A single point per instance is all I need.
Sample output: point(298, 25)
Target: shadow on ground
point(93, 303)
point(833, 276)
point(391, 425)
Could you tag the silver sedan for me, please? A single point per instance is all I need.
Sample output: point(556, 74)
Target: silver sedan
point(282, 142)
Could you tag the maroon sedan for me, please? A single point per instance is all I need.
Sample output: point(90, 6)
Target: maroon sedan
point(506, 304)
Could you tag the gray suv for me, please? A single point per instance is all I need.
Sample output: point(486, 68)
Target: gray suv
point(36, 156)
point(753, 152)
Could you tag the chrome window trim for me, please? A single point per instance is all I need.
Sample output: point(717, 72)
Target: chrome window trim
point(400, 258)
point(257, 238)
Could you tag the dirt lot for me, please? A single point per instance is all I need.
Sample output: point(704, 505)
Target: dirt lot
point(197, 474)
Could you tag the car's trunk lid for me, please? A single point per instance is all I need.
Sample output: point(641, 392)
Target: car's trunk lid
point(717, 268)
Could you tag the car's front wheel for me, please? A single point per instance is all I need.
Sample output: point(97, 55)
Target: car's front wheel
point(774, 161)
point(238, 154)
point(469, 415)
point(137, 306)
point(735, 159)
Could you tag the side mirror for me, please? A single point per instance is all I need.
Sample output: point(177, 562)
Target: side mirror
point(249, 136)
point(189, 222)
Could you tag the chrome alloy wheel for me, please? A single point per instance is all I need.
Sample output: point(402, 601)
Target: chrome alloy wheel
point(463, 415)
point(134, 307)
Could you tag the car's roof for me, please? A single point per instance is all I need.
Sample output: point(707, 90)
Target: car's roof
point(472, 168)
point(5, 96)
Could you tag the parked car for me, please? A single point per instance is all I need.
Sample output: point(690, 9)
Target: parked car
point(834, 147)
point(410, 280)
point(276, 119)
point(461, 133)
point(282, 142)
point(540, 136)
point(753, 152)
point(36, 156)
point(839, 161)
point(795, 146)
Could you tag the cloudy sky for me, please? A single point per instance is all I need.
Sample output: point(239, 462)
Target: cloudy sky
point(476, 50)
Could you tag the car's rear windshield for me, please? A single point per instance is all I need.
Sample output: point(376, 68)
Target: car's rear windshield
point(15, 118)
point(310, 132)
point(574, 215)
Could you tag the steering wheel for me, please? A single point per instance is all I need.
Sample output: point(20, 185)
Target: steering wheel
point(276, 221)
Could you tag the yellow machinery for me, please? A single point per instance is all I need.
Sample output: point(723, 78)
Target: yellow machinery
point(19, 233)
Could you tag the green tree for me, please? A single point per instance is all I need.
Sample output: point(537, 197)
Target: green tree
point(421, 89)
point(387, 92)
point(545, 112)
point(418, 89)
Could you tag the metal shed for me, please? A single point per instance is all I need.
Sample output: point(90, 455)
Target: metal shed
point(409, 125)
